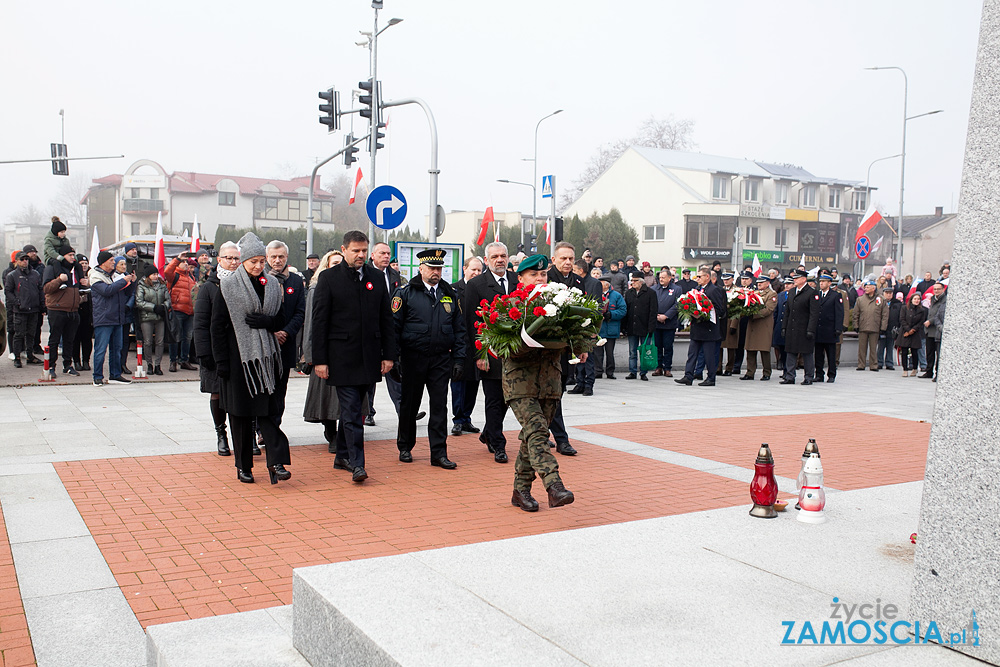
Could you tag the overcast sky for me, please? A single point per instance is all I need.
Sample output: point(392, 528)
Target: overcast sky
point(230, 87)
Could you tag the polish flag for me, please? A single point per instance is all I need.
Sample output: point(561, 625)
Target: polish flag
point(354, 188)
point(755, 265)
point(485, 225)
point(496, 231)
point(925, 298)
point(195, 236)
point(548, 230)
point(95, 248)
point(872, 218)
point(878, 244)
point(159, 258)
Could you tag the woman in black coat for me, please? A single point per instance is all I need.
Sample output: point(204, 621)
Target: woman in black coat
point(245, 314)
point(911, 333)
point(640, 320)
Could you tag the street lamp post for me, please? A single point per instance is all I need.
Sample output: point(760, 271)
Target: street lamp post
point(868, 193)
point(534, 161)
point(902, 164)
point(530, 185)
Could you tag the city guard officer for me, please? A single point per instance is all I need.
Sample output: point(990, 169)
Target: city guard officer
point(431, 332)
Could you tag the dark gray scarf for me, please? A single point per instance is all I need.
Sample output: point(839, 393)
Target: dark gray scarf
point(258, 347)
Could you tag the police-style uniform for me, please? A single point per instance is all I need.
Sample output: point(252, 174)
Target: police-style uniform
point(430, 329)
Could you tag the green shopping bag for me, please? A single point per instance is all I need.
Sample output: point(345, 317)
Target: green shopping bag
point(648, 358)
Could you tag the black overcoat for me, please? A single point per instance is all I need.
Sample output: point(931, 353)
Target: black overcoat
point(830, 324)
point(706, 329)
point(483, 286)
point(801, 318)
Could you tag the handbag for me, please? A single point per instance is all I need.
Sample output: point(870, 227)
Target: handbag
point(648, 358)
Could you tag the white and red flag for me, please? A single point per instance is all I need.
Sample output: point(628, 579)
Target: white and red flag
point(548, 230)
point(878, 244)
point(159, 257)
point(195, 236)
point(872, 218)
point(755, 266)
point(485, 225)
point(354, 187)
point(95, 248)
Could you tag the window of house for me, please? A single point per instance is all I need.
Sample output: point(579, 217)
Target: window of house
point(226, 228)
point(781, 194)
point(154, 193)
point(807, 196)
point(134, 193)
point(781, 237)
point(720, 187)
point(751, 191)
point(135, 228)
point(710, 231)
point(834, 202)
point(859, 200)
point(653, 232)
point(753, 236)
point(151, 228)
point(188, 229)
point(227, 199)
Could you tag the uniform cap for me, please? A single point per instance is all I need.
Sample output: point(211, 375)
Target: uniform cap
point(433, 257)
point(799, 273)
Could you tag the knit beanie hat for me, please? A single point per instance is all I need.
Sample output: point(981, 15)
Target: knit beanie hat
point(251, 246)
point(57, 225)
point(103, 256)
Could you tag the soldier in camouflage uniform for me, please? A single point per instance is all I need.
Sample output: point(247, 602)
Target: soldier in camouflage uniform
point(532, 387)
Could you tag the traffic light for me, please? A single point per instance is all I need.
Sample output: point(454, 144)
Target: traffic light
point(59, 167)
point(330, 110)
point(303, 246)
point(373, 138)
point(372, 100)
point(349, 151)
point(533, 243)
point(557, 232)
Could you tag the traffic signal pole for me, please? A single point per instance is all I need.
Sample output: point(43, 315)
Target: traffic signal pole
point(433, 171)
point(312, 182)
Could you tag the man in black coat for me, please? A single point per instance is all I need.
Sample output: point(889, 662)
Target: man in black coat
point(496, 280)
point(799, 323)
point(354, 342)
point(430, 331)
point(706, 334)
point(25, 301)
point(380, 256)
point(639, 322)
point(829, 326)
point(561, 271)
point(294, 307)
point(465, 390)
point(586, 371)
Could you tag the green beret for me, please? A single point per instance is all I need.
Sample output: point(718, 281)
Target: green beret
point(533, 263)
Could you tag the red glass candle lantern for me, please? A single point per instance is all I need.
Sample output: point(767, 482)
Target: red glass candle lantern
point(764, 487)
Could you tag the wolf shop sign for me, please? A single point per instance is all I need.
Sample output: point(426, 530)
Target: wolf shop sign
point(708, 253)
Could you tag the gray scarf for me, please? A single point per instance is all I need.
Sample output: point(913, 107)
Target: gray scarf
point(258, 347)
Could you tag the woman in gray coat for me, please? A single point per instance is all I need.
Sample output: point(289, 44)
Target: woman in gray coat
point(911, 333)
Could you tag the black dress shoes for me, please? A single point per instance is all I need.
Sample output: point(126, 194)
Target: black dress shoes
point(807, 382)
point(707, 383)
point(565, 449)
point(578, 389)
point(369, 421)
point(831, 379)
point(726, 373)
point(611, 376)
point(483, 439)
point(456, 429)
point(787, 381)
point(559, 495)
point(467, 427)
point(684, 380)
point(359, 475)
point(500, 456)
point(765, 378)
point(406, 457)
point(746, 377)
point(421, 415)
point(277, 472)
point(244, 477)
point(342, 464)
point(443, 462)
point(524, 500)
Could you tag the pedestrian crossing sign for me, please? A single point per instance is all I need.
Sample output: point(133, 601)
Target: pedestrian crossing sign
point(547, 186)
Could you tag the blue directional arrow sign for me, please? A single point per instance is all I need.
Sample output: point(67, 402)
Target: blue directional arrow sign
point(386, 207)
point(863, 247)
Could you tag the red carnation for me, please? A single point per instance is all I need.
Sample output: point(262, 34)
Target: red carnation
point(479, 344)
point(483, 302)
point(538, 311)
point(493, 318)
point(515, 314)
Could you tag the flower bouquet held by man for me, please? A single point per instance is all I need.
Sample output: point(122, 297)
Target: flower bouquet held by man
point(529, 329)
point(694, 305)
point(743, 302)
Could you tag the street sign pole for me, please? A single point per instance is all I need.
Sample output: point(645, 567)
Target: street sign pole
point(552, 220)
point(433, 171)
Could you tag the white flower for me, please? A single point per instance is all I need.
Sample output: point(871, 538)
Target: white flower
point(550, 310)
point(575, 290)
point(586, 323)
point(560, 298)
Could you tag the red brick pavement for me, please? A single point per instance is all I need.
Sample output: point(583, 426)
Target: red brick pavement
point(184, 539)
point(858, 450)
point(15, 643)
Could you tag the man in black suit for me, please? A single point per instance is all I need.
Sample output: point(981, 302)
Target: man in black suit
point(354, 342)
point(586, 371)
point(294, 307)
point(561, 271)
point(465, 390)
point(380, 258)
point(495, 280)
point(799, 324)
point(706, 333)
point(828, 328)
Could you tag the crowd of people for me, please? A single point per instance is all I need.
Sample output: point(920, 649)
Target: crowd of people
point(349, 320)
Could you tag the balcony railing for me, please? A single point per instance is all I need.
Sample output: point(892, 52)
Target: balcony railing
point(143, 205)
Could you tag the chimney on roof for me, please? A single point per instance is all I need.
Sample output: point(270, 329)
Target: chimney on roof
point(939, 211)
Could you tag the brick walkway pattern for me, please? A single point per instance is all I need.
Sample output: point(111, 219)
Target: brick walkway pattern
point(15, 643)
point(185, 540)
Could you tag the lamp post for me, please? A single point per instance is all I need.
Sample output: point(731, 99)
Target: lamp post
point(529, 185)
point(868, 195)
point(534, 162)
point(902, 165)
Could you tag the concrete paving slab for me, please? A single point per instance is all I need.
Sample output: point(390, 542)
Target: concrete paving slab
point(43, 520)
point(87, 628)
point(58, 567)
point(31, 488)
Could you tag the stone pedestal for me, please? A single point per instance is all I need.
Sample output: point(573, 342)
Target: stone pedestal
point(957, 565)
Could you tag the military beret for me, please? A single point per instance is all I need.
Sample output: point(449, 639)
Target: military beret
point(533, 263)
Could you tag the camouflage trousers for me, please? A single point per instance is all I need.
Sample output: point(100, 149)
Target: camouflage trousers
point(534, 415)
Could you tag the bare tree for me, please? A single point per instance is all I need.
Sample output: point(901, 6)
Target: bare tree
point(652, 133)
point(67, 201)
point(348, 216)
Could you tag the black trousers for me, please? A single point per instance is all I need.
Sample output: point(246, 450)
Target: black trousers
point(808, 365)
point(83, 346)
point(24, 333)
point(604, 357)
point(280, 391)
point(933, 346)
point(351, 435)
point(828, 350)
point(496, 410)
point(395, 393)
point(243, 437)
point(126, 330)
point(558, 427)
point(463, 400)
point(706, 347)
point(62, 327)
point(432, 371)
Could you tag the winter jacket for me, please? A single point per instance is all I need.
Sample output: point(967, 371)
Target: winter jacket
point(935, 315)
point(54, 247)
point(614, 312)
point(911, 321)
point(892, 325)
point(666, 304)
point(761, 327)
point(59, 295)
point(181, 286)
point(619, 282)
point(778, 337)
point(147, 297)
point(23, 291)
point(871, 314)
point(640, 320)
point(110, 298)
